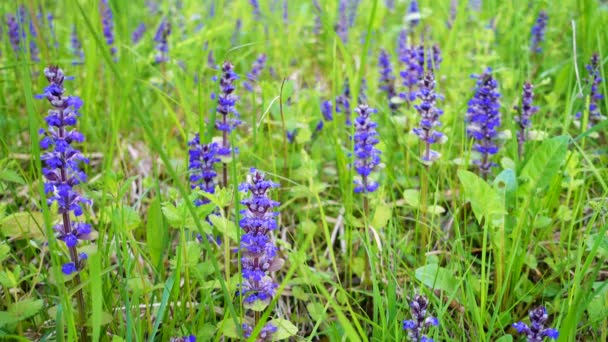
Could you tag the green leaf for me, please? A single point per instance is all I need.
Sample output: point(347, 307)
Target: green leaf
point(258, 305)
point(437, 277)
point(228, 328)
point(316, 311)
point(225, 226)
point(412, 197)
point(11, 176)
point(285, 329)
point(156, 232)
point(543, 165)
point(505, 338)
point(26, 308)
point(485, 200)
point(128, 217)
point(381, 215)
point(7, 318)
point(5, 251)
point(23, 225)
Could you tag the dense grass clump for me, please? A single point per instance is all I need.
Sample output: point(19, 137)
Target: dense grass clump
point(303, 170)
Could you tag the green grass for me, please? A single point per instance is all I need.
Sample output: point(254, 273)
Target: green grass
point(484, 252)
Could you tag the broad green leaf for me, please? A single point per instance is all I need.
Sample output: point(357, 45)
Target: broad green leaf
point(4, 252)
point(381, 216)
point(316, 311)
point(224, 226)
point(437, 277)
point(412, 197)
point(285, 329)
point(505, 338)
point(7, 318)
point(435, 209)
point(543, 165)
point(11, 176)
point(26, 308)
point(258, 305)
point(23, 225)
point(228, 328)
point(156, 233)
point(485, 200)
point(128, 217)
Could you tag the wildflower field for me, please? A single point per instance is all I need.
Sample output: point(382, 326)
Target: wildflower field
point(303, 170)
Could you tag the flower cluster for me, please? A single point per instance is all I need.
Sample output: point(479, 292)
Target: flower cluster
point(429, 117)
point(14, 33)
point(343, 102)
point(201, 165)
point(525, 113)
point(483, 118)
point(256, 70)
point(595, 79)
point(162, 44)
point(138, 33)
point(387, 79)
point(62, 165)
point(226, 106)
point(342, 24)
point(413, 14)
point(538, 32)
point(76, 47)
point(318, 24)
point(258, 254)
point(265, 335)
point(536, 331)
point(417, 327)
point(107, 23)
point(190, 338)
point(24, 15)
point(256, 9)
point(434, 58)
point(413, 59)
point(367, 156)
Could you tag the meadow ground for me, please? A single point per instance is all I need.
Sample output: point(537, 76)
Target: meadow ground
point(303, 170)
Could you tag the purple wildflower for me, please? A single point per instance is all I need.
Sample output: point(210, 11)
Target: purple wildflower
point(536, 331)
point(256, 9)
point(138, 33)
point(342, 24)
point(429, 117)
point(256, 70)
point(265, 335)
point(453, 11)
point(62, 165)
point(259, 255)
point(13, 32)
point(190, 338)
point(285, 13)
point(434, 58)
point(413, 14)
point(225, 106)
point(343, 102)
point(107, 23)
point(483, 118)
point(318, 11)
point(162, 44)
point(413, 58)
point(291, 135)
point(417, 327)
point(402, 46)
point(76, 47)
point(353, 8)
point(390, 4)
point(327, 111)
point(387, 79)
point(538, 32)
point(237, 32)
point(201, 166)
point(367, 157)
point(525, 113)
point(595, 79)
point(34, 54)
point(475, 5)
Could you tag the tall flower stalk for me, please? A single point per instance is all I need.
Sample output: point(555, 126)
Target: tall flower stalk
point(256, 70)
point(538, 32)
point(387, 79)
point(367, 156)
point(76, 47)
point(342, 24)
point(62, 173)
point(418, 326)
point(536, 331)
point(429, 117)
point(138, 33)
point(107, 24)
point(201, 166)
point(162, 43)
point(525, 114)
point(229, 116)
point(258, 253)
point(595, 79)
point(483, 118)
